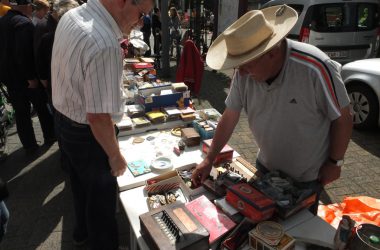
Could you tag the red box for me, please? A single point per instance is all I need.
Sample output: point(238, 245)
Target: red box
point(225, 154)
point(142, 65)
point(250, 202)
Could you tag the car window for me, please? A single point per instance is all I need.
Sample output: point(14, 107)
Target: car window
point(297, 7)
point(343, 17)
point(367, 16)
point(331, 17)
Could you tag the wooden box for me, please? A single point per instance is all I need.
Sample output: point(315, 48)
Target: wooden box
point(190, 137)
point(250, 202)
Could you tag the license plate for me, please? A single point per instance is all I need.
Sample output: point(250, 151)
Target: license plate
point(337, 54)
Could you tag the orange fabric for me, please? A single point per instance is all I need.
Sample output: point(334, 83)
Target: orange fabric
point(362, 209)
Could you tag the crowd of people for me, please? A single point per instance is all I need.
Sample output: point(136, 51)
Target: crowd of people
point(26, 40)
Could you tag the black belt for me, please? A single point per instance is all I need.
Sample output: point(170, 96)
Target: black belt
point(71, 122)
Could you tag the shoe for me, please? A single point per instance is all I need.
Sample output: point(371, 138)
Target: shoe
point(32, 149)
point(50, 140)
point(79, 243)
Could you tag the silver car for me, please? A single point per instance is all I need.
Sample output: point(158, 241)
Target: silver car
point(346, 30)
point(362, 80)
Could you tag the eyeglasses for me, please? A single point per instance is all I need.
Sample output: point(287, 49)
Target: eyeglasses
point(142, 13)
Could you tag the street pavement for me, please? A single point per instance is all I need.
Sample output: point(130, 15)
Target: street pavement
point(40, 201)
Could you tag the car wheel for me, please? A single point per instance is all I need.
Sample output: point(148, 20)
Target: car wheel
point(364, 105)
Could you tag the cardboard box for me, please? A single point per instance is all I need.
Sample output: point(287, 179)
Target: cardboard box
point(286, 212)
point(250, 202)
point(213, 219)
point(206, 131)
point(190, 137)
point(192, 192)
point(287, 242)
point(225, 154)
point(151, 98)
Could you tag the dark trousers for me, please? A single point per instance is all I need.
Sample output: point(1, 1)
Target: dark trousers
point(146, 36)
point(157, 44)
point(94, 188)
point(21, 100)
point(314, 185)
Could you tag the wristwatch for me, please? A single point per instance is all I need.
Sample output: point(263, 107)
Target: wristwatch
point(338, 163)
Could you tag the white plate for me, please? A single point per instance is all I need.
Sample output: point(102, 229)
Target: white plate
point(162, 164)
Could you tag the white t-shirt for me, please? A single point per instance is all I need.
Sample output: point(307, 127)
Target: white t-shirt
point(290, 118)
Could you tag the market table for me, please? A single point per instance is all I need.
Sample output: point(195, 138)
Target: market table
point(303, 226)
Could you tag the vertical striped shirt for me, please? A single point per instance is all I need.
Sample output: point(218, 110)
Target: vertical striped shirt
point(291, 117)
point(87, 64)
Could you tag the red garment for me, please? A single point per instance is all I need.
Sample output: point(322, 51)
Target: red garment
point(191, 66)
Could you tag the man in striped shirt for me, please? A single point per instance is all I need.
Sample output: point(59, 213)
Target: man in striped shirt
point(297, 106)
point(87, 94)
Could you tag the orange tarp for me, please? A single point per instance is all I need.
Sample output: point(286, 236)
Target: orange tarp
point(362, 209)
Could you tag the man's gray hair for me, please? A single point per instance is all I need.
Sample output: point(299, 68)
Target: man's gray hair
point(62, 6)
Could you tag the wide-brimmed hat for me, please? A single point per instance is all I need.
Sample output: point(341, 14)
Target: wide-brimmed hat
point(253, 34)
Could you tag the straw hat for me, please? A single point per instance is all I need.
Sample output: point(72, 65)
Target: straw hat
point(253, 34)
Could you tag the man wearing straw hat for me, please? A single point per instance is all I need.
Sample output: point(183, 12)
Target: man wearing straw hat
point(297, 105)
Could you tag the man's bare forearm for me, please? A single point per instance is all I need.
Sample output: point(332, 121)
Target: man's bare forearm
point(104, 132)
point(340, 134)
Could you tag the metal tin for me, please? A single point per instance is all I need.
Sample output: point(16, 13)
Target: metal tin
point(362, 237)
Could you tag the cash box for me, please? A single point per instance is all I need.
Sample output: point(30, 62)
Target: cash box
point(161, 96)
point(250, 202)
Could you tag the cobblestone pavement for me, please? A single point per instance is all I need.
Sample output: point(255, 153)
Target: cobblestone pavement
point(41, 205)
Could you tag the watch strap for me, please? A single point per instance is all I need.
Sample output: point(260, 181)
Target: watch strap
point(338, 163)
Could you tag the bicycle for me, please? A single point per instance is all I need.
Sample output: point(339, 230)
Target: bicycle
point(6, 120)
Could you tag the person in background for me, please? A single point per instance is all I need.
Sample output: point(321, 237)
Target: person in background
point(41, 8)
point(45, 44)
point(297, 106)
point(156, 30)
point(174, 28)
point(146, 30)
point(19, 75)
point(4, 213)
point(86, 74)
point(4, 7)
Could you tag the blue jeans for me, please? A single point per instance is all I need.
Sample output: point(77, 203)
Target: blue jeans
point(4, 217)
point(314, 185)
point(94, 188)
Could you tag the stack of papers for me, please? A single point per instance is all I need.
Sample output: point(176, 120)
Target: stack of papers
point(135, 110)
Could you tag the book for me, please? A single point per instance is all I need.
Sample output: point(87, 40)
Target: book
point(213, 219)
point(135, 110)
point(140, 122)
point(156, 116)
point(125, 123)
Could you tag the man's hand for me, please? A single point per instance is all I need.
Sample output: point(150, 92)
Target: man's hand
point(328, 173)
point(201, 172)
point(118, 165)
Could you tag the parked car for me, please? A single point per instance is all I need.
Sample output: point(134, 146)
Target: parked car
point(362, 80)
point(346, 30)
